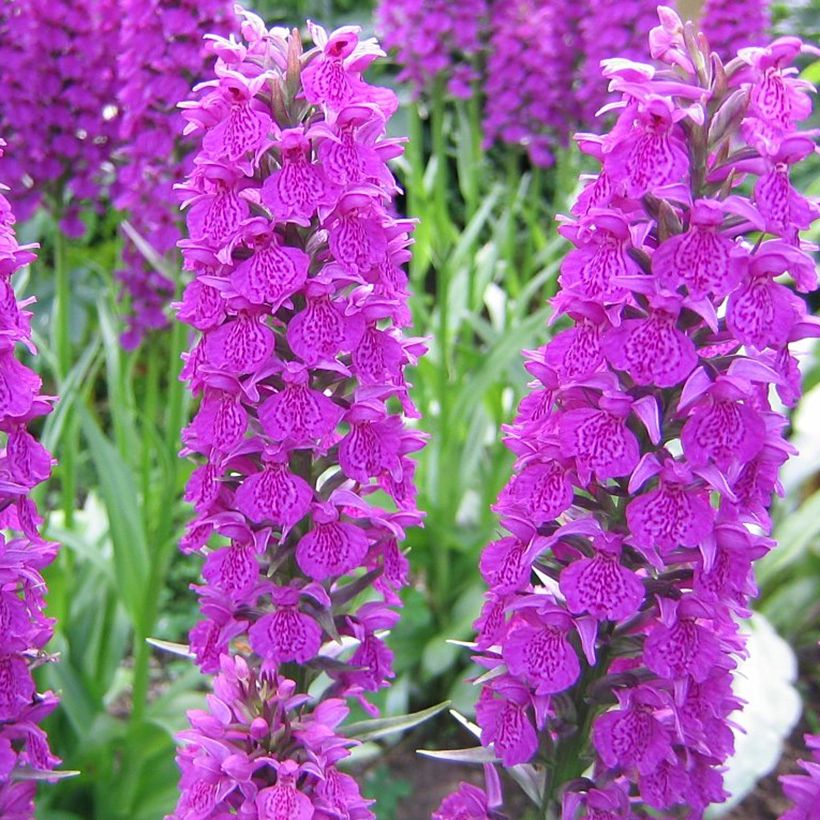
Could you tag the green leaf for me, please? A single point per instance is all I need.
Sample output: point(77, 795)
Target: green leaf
point(180, 649)
point(77, 382)
point(22, 773)
point(439, 654)
point(119, 378)
point(119, 492)
point(476, 754)
point(148, 252)
point(498, 359)
point(146, 788)
point(379, 727)
point(168, 711)
point(75, 701)
point(464, 250)
point(531, 780)
point(796, 535)
point(812, 73)
point(77, 542)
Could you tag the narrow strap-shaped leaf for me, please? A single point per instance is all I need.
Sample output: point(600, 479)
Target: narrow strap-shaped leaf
point(379, 727)
point(476, 754)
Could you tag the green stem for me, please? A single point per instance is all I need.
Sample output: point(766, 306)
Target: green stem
point(163, 532)
point(472, 188)
point(63, 304)
point(513, 282)
point(445, 433)
point(439, 143)
point(142, 658)
point(174, 420)
point(415, 187)
point(571, 755)
point(69, 444)
point(142, 655)
point(149, 414)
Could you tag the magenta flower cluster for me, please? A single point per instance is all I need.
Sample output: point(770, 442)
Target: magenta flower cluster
point(60, 127)
point(804, 789)
point(161, 56)
point(648, 449)
point(538, 61)
point(730, 25)
point(533, 55)
point(305, 488)
point(24, 463)
point(435, 40)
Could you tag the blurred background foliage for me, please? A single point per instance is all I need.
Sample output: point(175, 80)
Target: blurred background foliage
point(486, 259)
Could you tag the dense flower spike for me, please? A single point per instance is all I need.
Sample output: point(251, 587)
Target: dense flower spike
point(161, 55)
point(534, 49)
point(730, 25)
point(24, 629)
point(60, 127)
point(305, 489)
point(648, 450)
point(804, 789)
point(228, 759)
point(434, 39)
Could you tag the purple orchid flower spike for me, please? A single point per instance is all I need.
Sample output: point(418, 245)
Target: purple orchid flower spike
point(527, 103)
point(25, 756)
point(299, 299)
point(161, 54)
point(648, 449)
point(61, 129)
point(434, 41)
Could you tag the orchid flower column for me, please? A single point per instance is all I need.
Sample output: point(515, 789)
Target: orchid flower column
point(649, 447)
point(25, 756)
point(305, 489)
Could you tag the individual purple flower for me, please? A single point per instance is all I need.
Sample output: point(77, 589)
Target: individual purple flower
point(434, 40)
point(504, 716)
point(533, 52)
point(24, 628)
point(730, 26)
point(536, 649)
point(651, 349)
point(469, 802)
point(702, 259)
point(161, 54)
point(599, 439)
point(631, 737)
point(676, 512)
point(301, 431)
point(595, 268)
point(601, 585)
point(611, 803)
point(61, 128)
point(648, 449)
point(645, 150)
point(778, 101)
point(804, 789)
